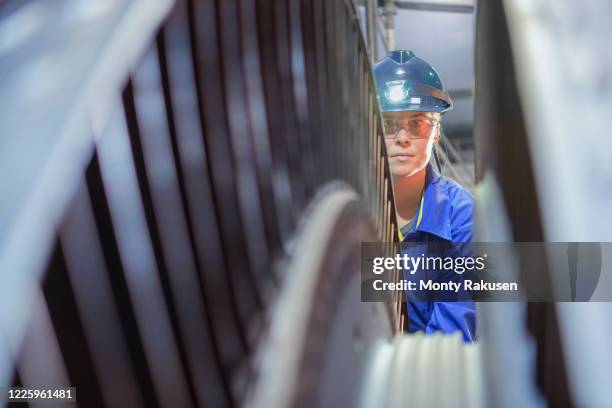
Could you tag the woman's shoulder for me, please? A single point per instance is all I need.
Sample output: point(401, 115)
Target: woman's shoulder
point(456, 192)
point(461, 207)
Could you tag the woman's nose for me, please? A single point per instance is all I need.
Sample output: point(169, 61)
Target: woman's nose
point(402, 137)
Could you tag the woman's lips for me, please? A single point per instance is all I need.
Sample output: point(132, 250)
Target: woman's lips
point(402, 156)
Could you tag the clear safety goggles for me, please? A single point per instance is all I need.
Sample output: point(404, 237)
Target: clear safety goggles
point(416, 128)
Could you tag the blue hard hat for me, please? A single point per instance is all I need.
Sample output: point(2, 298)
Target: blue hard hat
point(408, 83)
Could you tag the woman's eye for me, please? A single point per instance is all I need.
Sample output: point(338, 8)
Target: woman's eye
point(418, 124)
point(389, 126)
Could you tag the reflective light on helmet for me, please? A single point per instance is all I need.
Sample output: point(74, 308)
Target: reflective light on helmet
point(396, 92)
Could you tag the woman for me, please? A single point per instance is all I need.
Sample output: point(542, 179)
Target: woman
point(432, 211)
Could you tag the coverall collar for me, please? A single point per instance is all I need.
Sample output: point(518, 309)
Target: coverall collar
point(436, 206)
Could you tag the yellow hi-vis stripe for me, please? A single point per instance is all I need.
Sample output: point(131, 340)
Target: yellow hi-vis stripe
point(400, 235)
point(420, 213)
point(419, 218)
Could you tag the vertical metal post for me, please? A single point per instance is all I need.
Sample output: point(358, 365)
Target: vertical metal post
point(388, 13)
point(371, 29)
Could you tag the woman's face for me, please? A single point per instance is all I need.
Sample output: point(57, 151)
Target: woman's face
point(410, 137)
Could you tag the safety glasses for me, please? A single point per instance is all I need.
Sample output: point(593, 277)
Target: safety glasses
point(416, 128)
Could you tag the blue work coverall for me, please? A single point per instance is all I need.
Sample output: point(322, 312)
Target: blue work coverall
point(445, 222)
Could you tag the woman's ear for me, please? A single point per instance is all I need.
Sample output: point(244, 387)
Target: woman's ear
point(438, 133)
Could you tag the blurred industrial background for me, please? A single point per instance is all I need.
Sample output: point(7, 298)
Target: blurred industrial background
point(185, 186)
